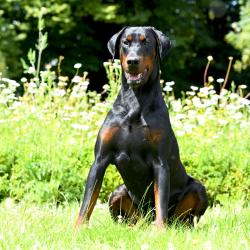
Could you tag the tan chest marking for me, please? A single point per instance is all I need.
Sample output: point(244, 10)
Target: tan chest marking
point(153, 135)
point(108, 133)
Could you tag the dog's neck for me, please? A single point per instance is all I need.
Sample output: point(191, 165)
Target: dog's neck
point(142, 100)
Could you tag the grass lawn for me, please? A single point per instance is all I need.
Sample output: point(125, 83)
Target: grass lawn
point(25, 226)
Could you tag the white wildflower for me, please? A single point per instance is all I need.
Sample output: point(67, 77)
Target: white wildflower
point(24, 79)
point(235, 26)
point(188, 102)
point(224, 92)
point(210, 79)
point(31, 70)
point(176, 105)
point(171, 83)
point(77, 65)
point(210, 58)
point(107, 64)
point(62, 84)
point(220, 80)
point(237, 116)
point(167, 88)
point(171, 246)
point(180, 133)
point(244, 101)
point(84, 84)
point(11, 97)
point(80, 127)
point(90, 134)
point(32, 85)
point(233, 96)
point(63, 78)
point(68, 108)
point(201, 120)
point(31, 90)
point(231, 108)
point(59, 92)
point(180, 116)
point(117, 61)
point(11, 82)
point(16, 104)
point(197, 102)
point(208, 245)
point(244, 124)
point(212, 92)
point(208, 103)
point(188, 127)
point(192, 113)
point(6, 91)
point(66, 118)
point(54, 62)
point(192, 93)
point(242, 86)
point(76, 79)
point(214, 99)
point(116, 66)
point(204, 90)
point(222, 122)
point(9, 203)
point(176, 123)
point(47, 67)
point(194, 88)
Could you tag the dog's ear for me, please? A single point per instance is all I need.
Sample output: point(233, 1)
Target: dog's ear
point(113, 43)
point(163, 42)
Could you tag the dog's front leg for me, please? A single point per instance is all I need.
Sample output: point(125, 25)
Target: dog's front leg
point(161, 192)
point(92, 189)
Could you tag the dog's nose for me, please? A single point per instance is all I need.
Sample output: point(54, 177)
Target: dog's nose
point(133, 61)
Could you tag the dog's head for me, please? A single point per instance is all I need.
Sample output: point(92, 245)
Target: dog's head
point(139, 48)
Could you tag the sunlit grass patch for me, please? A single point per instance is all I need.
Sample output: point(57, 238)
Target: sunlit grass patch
point(25, 226)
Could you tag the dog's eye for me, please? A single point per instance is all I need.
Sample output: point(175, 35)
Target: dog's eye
point(126, 42)
point(145, 42)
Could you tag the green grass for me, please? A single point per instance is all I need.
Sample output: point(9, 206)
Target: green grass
point(26, 226)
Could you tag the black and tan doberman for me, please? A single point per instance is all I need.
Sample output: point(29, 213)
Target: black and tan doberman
point(138, 139)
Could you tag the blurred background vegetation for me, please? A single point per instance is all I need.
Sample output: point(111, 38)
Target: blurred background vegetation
point(79, 31)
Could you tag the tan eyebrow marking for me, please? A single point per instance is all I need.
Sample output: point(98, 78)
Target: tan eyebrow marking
point(129, 38)
point(142, 38)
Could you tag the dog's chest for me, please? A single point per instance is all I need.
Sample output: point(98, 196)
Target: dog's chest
point(132, 146)
point(137, 138)
point(135, 147)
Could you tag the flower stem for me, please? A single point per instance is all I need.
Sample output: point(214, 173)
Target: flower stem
point(228, 71)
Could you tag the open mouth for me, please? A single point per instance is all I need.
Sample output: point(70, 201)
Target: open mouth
point(135, 78)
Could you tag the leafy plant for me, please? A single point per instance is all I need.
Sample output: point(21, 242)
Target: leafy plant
point(239, 37)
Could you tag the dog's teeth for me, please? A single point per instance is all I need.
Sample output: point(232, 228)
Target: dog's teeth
point(134, 77)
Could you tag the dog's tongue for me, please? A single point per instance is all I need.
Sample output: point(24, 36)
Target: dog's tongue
point(134, 77)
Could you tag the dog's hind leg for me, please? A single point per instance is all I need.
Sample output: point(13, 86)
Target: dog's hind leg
point(193, 203)
point(122, 206)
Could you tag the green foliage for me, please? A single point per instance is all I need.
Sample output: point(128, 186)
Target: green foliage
point(18, 20)
point(239, 37)
point(8, 40)
point(74, 32)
